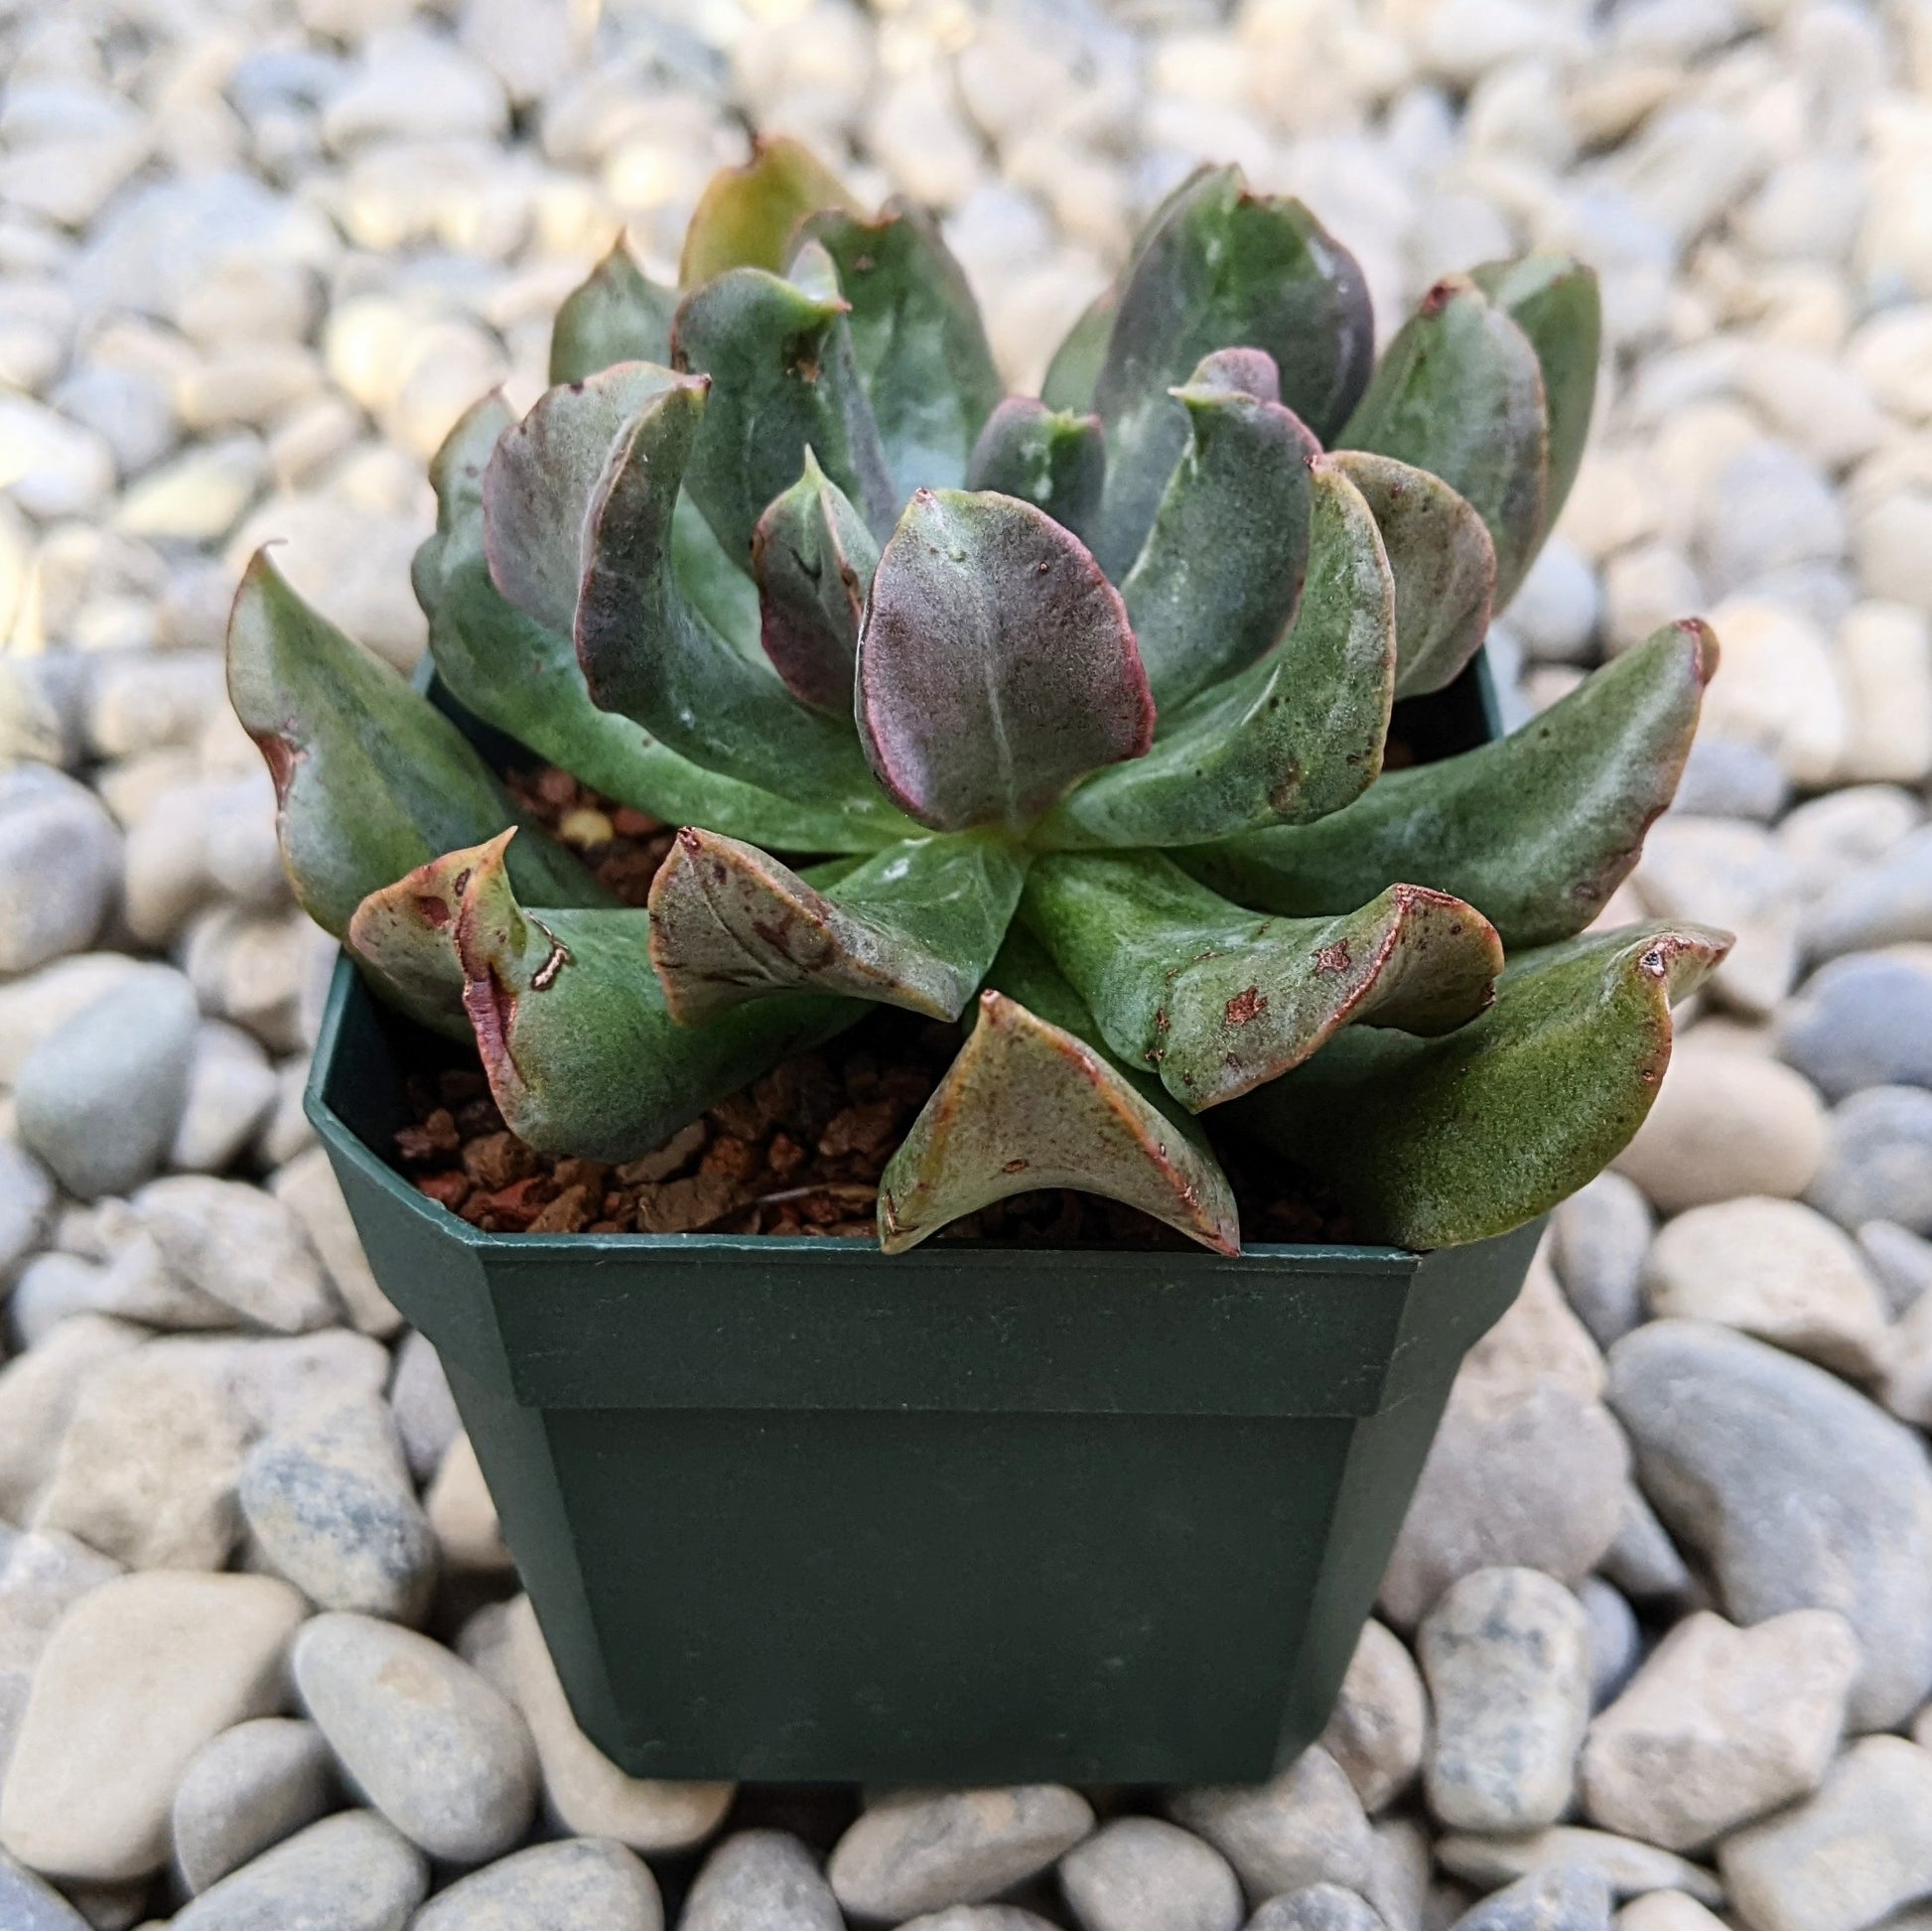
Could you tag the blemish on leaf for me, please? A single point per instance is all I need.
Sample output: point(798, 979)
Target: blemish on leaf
point(1333, 958)
point(1247, 1004)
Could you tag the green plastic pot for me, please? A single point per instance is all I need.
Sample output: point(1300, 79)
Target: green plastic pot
point(789, 1509)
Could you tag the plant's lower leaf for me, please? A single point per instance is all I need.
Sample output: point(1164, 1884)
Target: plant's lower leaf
point(1430, 1142)
point(371, 780)
point(1217, 1001)
point(1221, 268)
point(525, 680)
point(649, 654)
point(1460, 392)
point(582, 1056)
point(917, 338)
point(996, 665)
point(1076, 368)
point(784, 380)
point(1294, 737)
point(1221, 574)
point(746, 217)
point(812, 558)
point(1049, 457)
point(1535, 830)
point(1554, 298)
point(618, 315)
point(1032, 1103)
point(404, 939)
point(915, 926)
point(1443, 561)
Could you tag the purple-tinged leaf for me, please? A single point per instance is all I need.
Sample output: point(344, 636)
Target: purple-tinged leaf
point(1049, 457)
point(404, 939)
point(996, 665)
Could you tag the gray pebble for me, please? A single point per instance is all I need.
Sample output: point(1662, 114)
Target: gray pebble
point(1861, 1020)
point(1304, 1826)
point(1318, 1907)
point(761, 1881)
point(425, 1410)
point(1138, 1872)
point(28, 1904)
point(586, 1883)
point(978, 1917)
point(1630, 1868)
point(1566, 1897)
point(59, 866)
point(1888, 902)
point(1798, 1492)
point(1901, 1262)
point(243, 1247)
point(352, 1872)
point(1643, 1560)
point(245, 1791)
point(99, 1099)
point(333, 1509)
point(1599, 1237)
point(1731, 777)
point(1615, 1641)
point(1878, 1160)
point(420, 1735)
point(26, 1204)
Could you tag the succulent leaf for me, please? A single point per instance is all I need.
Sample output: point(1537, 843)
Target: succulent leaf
point(996, 665)
point(512, 672)
point(1555, 300)
point(1049, 457)
point(1536, 830)
point(1443, 561)
point(1031, 1103)
point(1430, 1142)
point(618, 315)
point(1219, 576)
point(647, 654)
point(1296, 736)
point(917, 339)
point(1460, 392)
point(371, 780)
point(915, 926)
point(582, 1055)
point(784, 380)
point(812, 559)
point(1222, 268)
point(1075, 368)
point(1218, 1001)
point(746, 217)
point(404, 939)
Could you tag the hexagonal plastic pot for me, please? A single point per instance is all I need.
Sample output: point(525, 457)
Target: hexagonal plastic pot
point(791, 1509)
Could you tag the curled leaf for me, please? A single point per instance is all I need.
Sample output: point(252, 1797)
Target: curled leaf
point(618, 315)
point(1536, 830)
point(1431, 1143)
point(1049, 457)
point(1031, 1104)
point(996, 664)
point(404, 939)
point(1218, 1001)
point(746, 217)
point(915, 926)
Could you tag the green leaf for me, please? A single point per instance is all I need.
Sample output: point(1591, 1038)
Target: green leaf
point(996, 665)
point(1029, 1103)
point(1430, 1142)
point(1443, 561)
point(1294, 737)
point(582, 1056)
point(649, 655)
point(1218, 1001)
point(917, 339)
point(915, 926)
point(1554, 298)
point(784, 380)
point(1536, 830)
point(524, 679)
point(1076, 368)
point(371, 780)
point(1460, 393)
point(1221, 573)
point(1222, 269)
point(812, 558)
point(1049, 457)
point(404, 939)
point(618, 314)
point(746, 217)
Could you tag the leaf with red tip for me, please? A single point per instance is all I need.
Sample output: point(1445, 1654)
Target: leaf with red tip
point(618, 315)
point(915, 927)
point(1443, 561)
point(746, 217)
point(996, 665)
point(812, 559)
point(404, 939)
point(583, 1057)
point(1294, 737)
point(1049, 457)
point(1029, 1103)
point(1218, 1001)
point(1430, 1142)
point(1221, 574)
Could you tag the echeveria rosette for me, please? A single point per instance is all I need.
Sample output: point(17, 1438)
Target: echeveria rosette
point(1064, 719)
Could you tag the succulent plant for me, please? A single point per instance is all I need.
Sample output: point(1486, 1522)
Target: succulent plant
point(1070, 716)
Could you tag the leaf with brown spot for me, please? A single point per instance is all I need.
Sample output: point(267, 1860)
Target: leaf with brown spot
point(404, 939)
